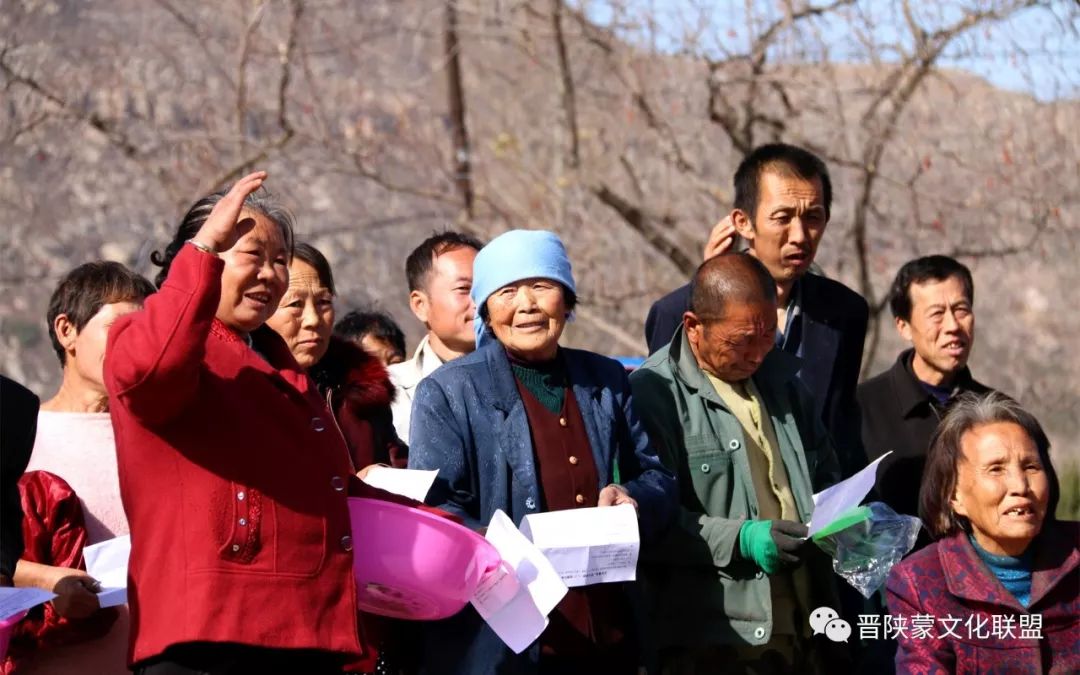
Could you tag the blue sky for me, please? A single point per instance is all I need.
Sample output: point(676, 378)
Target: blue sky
point(1036, 50)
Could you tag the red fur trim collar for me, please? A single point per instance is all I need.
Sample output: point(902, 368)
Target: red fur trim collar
point(358, 375)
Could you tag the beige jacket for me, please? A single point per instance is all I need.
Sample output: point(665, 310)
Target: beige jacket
point(405, 376)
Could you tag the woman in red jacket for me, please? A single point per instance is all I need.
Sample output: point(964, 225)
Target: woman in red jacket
point(232, 474)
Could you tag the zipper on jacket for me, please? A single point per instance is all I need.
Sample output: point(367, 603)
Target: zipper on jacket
point(344, 441)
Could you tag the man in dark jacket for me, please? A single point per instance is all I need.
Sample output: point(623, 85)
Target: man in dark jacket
point(783, 197)
point(932, 300)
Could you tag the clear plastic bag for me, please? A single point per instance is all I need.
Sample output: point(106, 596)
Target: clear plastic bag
point(865, 550)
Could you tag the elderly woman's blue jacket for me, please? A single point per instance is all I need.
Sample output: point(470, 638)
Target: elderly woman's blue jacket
point(469, 422)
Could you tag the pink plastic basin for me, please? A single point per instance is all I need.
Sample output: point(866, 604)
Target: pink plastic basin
point(7, 627)
point(410, 564)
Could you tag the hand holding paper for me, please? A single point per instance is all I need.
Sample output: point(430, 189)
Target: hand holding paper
point(107, 562)
point(588, 546)
point(832, 502)
point(516, 599)
point(616, 495)
point(411, 483)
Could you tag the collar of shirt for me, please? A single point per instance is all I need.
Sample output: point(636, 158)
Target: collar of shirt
point(914, 394)
point(427, 361)
point(789, 339)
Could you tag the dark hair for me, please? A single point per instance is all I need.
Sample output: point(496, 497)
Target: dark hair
point(260, 201)
point(419, 263)
point(356, 324)
point(570, 300)
point(732, 277)
point(778, 158)
point(86, 289)
point(921, 270)
point(314, 257)
point(967, 412)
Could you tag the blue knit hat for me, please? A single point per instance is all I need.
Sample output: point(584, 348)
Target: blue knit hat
point(513, 256)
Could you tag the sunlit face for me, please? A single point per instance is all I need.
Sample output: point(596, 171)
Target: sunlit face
point(444, 304)
point(255, 277)
point(305, 316)
point(732, 347)
point(86, 348)
point(788, 225)
point(1002, 487)
point(942, 328)
point(528, 317)
point(381, 349)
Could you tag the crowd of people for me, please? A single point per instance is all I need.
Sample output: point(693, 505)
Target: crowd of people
point(223, 415)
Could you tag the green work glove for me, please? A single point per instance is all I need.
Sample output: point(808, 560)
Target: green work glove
point(771, 544)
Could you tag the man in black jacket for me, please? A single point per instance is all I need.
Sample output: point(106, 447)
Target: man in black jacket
point(932, 301)
point(783, 197)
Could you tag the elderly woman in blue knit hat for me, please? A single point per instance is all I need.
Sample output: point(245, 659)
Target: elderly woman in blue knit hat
point(525, 425)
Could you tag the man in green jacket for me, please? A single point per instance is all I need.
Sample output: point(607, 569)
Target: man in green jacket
point(726, 413)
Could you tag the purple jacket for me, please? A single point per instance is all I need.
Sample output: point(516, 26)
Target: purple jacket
point(994, 632)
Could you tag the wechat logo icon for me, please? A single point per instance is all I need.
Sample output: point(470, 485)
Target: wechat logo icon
point(826, 620)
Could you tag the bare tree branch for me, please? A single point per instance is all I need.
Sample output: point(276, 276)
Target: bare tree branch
point(93, 120)
point(459, 132)
point(241, 74)
point(646, 226)
point(569, 96)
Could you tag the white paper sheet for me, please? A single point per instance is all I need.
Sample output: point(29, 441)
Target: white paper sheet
point(411, 483)
point(833, 501)
point(588, 546)
point(516, 599)
point(15, 600)
point(107, 562)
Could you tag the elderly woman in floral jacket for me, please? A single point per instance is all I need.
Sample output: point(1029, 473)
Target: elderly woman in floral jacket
point(999, 591)
point(525, 425)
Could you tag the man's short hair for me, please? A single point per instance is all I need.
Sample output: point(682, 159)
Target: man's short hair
point(356, 324)
point(732, 277)
point(86, 289)
point(782, 159)
point(922, 270)
point(419, 263)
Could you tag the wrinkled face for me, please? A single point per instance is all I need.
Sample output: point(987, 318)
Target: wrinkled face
point(528, 317)
point(381, 349)
point(255, 277)
point(305, 316)
point(86, 348)
point(1001, 487)
point(942, 327)
point(733, 346)
point(444, 305)
point(788, 225)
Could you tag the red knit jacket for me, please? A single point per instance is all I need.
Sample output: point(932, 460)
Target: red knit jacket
point(233, 477)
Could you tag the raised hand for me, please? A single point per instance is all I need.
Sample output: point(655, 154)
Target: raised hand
point(223, 227)
point(721, 239)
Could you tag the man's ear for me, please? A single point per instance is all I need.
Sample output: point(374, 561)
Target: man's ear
point(65, 332)
point(904, 328)
point(743, 224)
point(693, 327)
point(418, 303)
